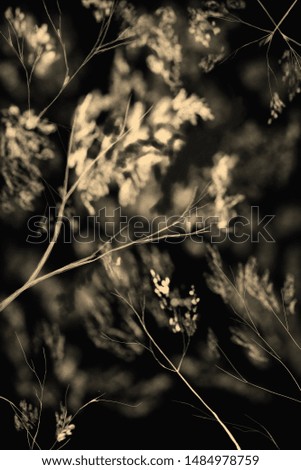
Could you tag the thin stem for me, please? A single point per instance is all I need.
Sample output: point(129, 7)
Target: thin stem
point(59, 222)
point(97, 48)
point(236, 19)
point(264, 389)
point(286, 14)
point(21, 416)
point(91, 259)
point(267, 13)
point(156, 236)
point(269, 349)
point(234, 53)
point(181, 376)
point(266, 430)
point(40, 400)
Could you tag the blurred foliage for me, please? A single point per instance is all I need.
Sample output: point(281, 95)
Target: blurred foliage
point(168, 102)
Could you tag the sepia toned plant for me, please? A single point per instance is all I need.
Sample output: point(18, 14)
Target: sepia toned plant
point(266, 328)
point(24, 142)
point(123, 152)
point(33, 45)
point(64, 427)
point(182, 311)
point(28, 417)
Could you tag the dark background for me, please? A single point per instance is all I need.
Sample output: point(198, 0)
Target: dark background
point(171, 424)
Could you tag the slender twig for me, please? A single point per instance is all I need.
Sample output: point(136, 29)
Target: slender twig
point(266, 430)
point(40, 399)
point(286, 15)
point(267, 12)
point(259, 387)
point(252, 326)
point(98, 47)
point(97, 255)
point(22, 416)
point(91, 259)
point(180, 375)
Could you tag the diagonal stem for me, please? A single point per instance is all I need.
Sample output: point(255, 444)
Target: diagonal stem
point(58, 224)
point(267, 12)
point(277, 25)
point(286, 14)
point(184, 380)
